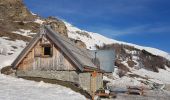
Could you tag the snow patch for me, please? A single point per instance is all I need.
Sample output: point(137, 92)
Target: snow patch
point(33, 14)
point(125, 81)
point(39, 21)
point(12, 50)
point(161, 76)
point(24, 32)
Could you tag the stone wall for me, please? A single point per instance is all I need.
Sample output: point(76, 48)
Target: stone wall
point(71, 76)
point(89, 83)
point(85, 80)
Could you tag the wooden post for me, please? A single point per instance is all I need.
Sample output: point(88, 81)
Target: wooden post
point(94, 74)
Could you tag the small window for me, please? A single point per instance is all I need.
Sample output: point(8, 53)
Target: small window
point(47, 51)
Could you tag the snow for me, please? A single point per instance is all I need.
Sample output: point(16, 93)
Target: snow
point(126, 81)
point(24, 32)
point(39, 21)
point(19, 89)
point(115, 73)
point(33, 14)
point(162, 76)
point(107, 79)
point(97, 39)
point(90, 42)
point(6, 59)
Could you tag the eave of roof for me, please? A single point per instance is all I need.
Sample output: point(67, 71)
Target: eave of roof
point(26, 50)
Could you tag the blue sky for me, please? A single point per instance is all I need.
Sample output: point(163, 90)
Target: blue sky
point(143, 22)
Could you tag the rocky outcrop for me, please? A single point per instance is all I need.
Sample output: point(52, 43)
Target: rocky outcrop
point(14, 10)
point(79, 43)
point(57, 25)
point(14, 16)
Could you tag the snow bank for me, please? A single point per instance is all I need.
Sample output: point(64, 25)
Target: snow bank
point(13, 48)
point(161, 77)
point(20, 89)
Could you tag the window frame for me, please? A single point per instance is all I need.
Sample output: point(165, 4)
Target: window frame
point(43, 50)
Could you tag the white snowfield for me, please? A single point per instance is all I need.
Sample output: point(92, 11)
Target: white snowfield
point(9, 50)
point(19, 89)
point(97, 39)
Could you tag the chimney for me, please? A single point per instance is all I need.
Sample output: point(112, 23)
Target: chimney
point(96, 61)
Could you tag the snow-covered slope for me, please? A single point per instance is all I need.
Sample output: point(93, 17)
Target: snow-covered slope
point(92, 39)
point(9, 50)
point(19, 89)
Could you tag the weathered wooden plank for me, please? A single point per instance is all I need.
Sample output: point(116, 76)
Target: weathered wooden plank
point(35, 61)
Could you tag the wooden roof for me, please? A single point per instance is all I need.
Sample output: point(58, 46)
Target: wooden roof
point(80, 57)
